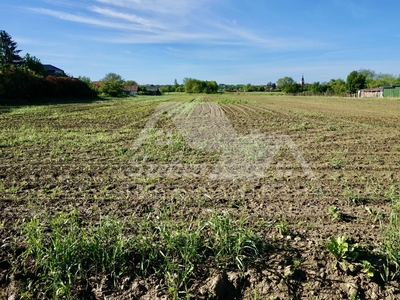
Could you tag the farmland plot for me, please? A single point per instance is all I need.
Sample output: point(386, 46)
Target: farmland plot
point(242, 196)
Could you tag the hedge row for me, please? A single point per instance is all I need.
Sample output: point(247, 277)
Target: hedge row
point(22, 83)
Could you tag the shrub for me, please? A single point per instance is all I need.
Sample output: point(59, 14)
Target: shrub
point(23, 83)
point(20, 83)
point(58, 87)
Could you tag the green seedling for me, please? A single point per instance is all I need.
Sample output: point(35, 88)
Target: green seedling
point(342, 249)
point(367, 268)
point(377, 214)
point(282, 226)
point(334, 213)
point(336, 163)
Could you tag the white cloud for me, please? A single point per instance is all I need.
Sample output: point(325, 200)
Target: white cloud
point(132, 18)
point(176, 7)
point(159, 21)
point(89, 20)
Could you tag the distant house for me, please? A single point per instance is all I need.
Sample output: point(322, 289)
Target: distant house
point(152, 90)
point(131, 90)
point(52, 70)
point(370, 93)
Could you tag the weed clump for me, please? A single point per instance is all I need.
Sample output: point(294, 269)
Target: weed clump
point(391, 239)
point(62, 256)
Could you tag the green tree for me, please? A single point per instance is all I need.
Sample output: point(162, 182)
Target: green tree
point(260, 88)
point(130, 82)
point(34, 64)
point(292, 88)
point(9, 55)
point(166, 89)
point(370, 77)
point(384, 79)
point(288, 85)
point(377, 80)
point(180, 89)
point(281, 83)
point(188, 84)
point(89, 83)
point(192, 85)
point(249, 88)
point(112, 85)
point(86, 80)
point(211, 87)
point(336, 87)
point(317, 88)
point(20, 83)
point(355, 81)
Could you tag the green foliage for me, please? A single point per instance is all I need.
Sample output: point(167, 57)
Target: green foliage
point(334, 213)
point(233, 242)
point(171, 89)
point(384, 80)
point(341, 248)
point(34, 64)
point(336, 87)
point(232, 101)
point(20, 83)
point(355, 81)
point(67, 252)
point(375, 213)
point(250, 88)
point(391, 236)
point(86, 80)
point(369, 75)
point(192, 85)
point(27, 79)
point(281, 83)
point(301, 127)
point(354, 296)
point(112, 85)
point(367, 268)
point(288, 85)
point(281, 226)
point(167, 89)
point(89, 83)
point(317, 88)
point(24, 83)
point(180, 89)
point(336, 162)
point(9, 55)
point(130, 82)
point(58, 87)
point(378, 80)
point(349, 255)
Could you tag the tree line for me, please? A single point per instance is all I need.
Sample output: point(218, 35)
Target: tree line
point(355, 81)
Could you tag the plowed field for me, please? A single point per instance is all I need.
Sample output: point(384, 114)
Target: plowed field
point(321, 168)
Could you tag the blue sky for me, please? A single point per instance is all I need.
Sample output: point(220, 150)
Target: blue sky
point(230, 41)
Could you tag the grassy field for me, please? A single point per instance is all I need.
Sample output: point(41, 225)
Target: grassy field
point(134, 198)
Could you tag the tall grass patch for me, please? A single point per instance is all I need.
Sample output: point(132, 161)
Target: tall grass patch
point(391, 238)
point(61, 255)
point(59, 258)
